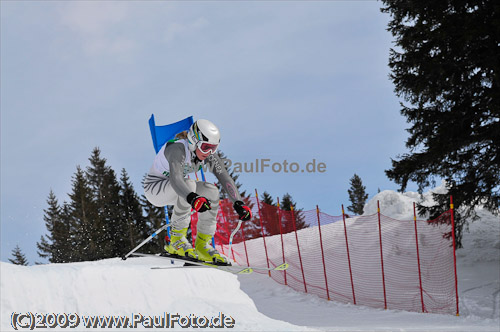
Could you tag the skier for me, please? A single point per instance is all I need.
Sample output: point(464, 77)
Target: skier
point(166, 184)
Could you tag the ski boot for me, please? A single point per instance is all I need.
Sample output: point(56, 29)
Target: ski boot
point(206, 252)
point(179, 245)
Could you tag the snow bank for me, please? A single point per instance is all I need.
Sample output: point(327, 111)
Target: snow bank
point(481, 239)
point(116, 287)
point(400, 205)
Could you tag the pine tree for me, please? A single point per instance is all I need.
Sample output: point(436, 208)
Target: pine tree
point(51, 217)
point(269, 215)
point(287, 219)
point(447, 70)
point(97, 175)
point(155, 218)
point(66, 235)
point(132, 211)
point(357, 195)
point(44, 248)
point(266, 198)
point(56, 245)
point(82, 213)
point(18, 257)
point(110, 225)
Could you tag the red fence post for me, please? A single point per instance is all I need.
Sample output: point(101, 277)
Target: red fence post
point(418, 258)
point(381, 253)
point(298, 248)
point(454, 248)
point(348, 256)
point(226, 228)
point(281, 234)
point(245, 245)
point(229, 232)
point(262, 230)
point(322, 254)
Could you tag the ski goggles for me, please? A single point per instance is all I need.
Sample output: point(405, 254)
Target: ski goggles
point(205, 147)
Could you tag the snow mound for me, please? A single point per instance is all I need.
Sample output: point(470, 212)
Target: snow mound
point(116, 287)
point(400, 205)
point(392, 204)
point(481, 238)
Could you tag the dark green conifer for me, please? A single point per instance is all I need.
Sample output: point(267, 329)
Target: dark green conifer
point(18, 257)
point(446, 68)
point(357, 195)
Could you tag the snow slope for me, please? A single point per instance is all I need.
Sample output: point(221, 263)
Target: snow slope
point(116, 287)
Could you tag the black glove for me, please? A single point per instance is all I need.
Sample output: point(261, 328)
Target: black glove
point(199, 203)
point(243, 211)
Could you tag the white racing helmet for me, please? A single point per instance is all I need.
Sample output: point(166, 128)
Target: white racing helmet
point(203, 135)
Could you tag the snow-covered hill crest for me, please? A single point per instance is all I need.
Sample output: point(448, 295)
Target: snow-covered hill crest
point(116, 287)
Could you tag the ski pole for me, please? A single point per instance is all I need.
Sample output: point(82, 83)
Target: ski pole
point(233, 233)
point(149, 238)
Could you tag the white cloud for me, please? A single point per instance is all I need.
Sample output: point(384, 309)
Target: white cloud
point(99, 26)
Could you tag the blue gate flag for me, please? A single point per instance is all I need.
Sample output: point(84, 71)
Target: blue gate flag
point(162, 134)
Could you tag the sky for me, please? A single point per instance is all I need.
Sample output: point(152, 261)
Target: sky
point(292, 81)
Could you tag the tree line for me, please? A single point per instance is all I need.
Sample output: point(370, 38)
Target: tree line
point(104, 217)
